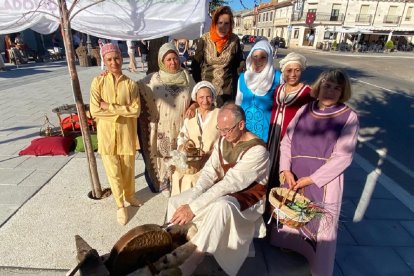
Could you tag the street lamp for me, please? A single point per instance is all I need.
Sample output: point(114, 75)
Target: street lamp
point(289, 23)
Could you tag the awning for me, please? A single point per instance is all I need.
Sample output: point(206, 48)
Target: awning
point(347, 30)
point(396, 31)
point(122, 20)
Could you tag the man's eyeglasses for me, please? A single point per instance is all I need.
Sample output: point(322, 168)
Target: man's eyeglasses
point(226, 131)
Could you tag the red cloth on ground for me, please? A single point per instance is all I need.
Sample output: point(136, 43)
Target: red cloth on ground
point(55, 145)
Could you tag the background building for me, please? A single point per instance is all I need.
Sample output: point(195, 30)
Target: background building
point(315, 23)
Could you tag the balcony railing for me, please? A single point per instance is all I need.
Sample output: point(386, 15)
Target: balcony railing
point(319, 17)
point(392, 19)
point(363, 18)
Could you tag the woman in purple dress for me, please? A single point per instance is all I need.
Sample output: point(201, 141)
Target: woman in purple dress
point(318, 146)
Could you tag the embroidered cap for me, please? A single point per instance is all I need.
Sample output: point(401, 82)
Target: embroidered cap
point(108, 48)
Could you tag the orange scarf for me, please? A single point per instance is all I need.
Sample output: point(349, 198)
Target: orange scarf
point(220, 42)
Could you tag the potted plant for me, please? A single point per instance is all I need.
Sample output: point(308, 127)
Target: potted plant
point(389, 45)
point(334, 45)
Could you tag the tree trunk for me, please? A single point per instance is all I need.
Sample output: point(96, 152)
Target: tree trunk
point(77, 94)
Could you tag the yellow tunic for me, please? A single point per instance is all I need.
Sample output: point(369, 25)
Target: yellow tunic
point(117, 126)
point(117, 131)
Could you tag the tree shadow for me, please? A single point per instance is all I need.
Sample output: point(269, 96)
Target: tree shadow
point(385, 118)
point(14, 72)
point(36, 134)
point(17, 128)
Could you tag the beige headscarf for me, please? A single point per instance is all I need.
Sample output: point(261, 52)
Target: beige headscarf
point(293, 58)
point(179, 78)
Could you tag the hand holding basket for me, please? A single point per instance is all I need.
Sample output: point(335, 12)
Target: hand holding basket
point(291, 208)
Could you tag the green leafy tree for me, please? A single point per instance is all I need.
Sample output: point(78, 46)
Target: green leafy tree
point(214, 4)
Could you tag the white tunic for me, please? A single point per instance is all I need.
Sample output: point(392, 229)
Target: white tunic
point(224, 230)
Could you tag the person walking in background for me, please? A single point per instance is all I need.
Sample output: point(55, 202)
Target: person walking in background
point(275, 44)
point(101, 43)
point(2, 66)
point(219, 57)
point(132, 67)
point(310, 39)
point(115, 105)
point(182, 48)
point(142, 47)
point(256, 87)
point(76, 39)
point(331, 128)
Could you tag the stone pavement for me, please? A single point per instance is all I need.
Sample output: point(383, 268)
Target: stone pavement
point(43, 199)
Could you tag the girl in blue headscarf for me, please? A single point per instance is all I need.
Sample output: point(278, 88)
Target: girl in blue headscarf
point(256, 87)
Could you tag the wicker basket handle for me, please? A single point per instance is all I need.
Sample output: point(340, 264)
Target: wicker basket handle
point(287, 195)
point(284, 198)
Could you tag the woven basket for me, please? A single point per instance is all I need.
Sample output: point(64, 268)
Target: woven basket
point(279, 197)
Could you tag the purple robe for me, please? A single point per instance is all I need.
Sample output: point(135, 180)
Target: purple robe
point(319, 144)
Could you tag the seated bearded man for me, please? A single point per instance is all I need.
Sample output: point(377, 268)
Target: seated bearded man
point(227, 202)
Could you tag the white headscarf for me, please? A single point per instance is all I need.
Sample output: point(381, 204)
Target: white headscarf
point(200, 85)
point(260, 83)
point(293, 58)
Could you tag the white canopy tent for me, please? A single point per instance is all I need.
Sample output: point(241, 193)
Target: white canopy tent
point(121, 20)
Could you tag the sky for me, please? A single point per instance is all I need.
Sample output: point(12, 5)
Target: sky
point(237, 6)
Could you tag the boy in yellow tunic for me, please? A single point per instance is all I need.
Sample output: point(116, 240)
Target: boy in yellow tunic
point(114, 103)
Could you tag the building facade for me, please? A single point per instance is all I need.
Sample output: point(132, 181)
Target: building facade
point(313, 23)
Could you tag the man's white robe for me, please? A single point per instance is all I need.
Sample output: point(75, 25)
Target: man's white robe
point(224, 230)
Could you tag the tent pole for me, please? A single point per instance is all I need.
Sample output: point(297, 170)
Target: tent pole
point(70, 58)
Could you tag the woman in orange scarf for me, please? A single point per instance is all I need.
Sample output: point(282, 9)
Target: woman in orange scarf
point(219, 57)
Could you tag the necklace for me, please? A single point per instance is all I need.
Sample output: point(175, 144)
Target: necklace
point(173, 90)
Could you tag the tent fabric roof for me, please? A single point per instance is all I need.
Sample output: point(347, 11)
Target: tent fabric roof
point(122, 20)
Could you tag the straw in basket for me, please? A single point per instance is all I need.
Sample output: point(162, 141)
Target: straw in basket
point(291, 208)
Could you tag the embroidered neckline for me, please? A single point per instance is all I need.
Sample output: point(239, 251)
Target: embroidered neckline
point(173, 90)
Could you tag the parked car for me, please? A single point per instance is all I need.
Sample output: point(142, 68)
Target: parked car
point(258, 38)
point(249, 39)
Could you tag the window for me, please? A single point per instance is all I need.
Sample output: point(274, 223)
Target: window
point(409, 13)
point(392, 16)
point(296, 33)
point(329, 35)
point(392, 10)
point(262, 32)
point(271, 16)
point(335, 12)
point(363, 15)
point(268, 32)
